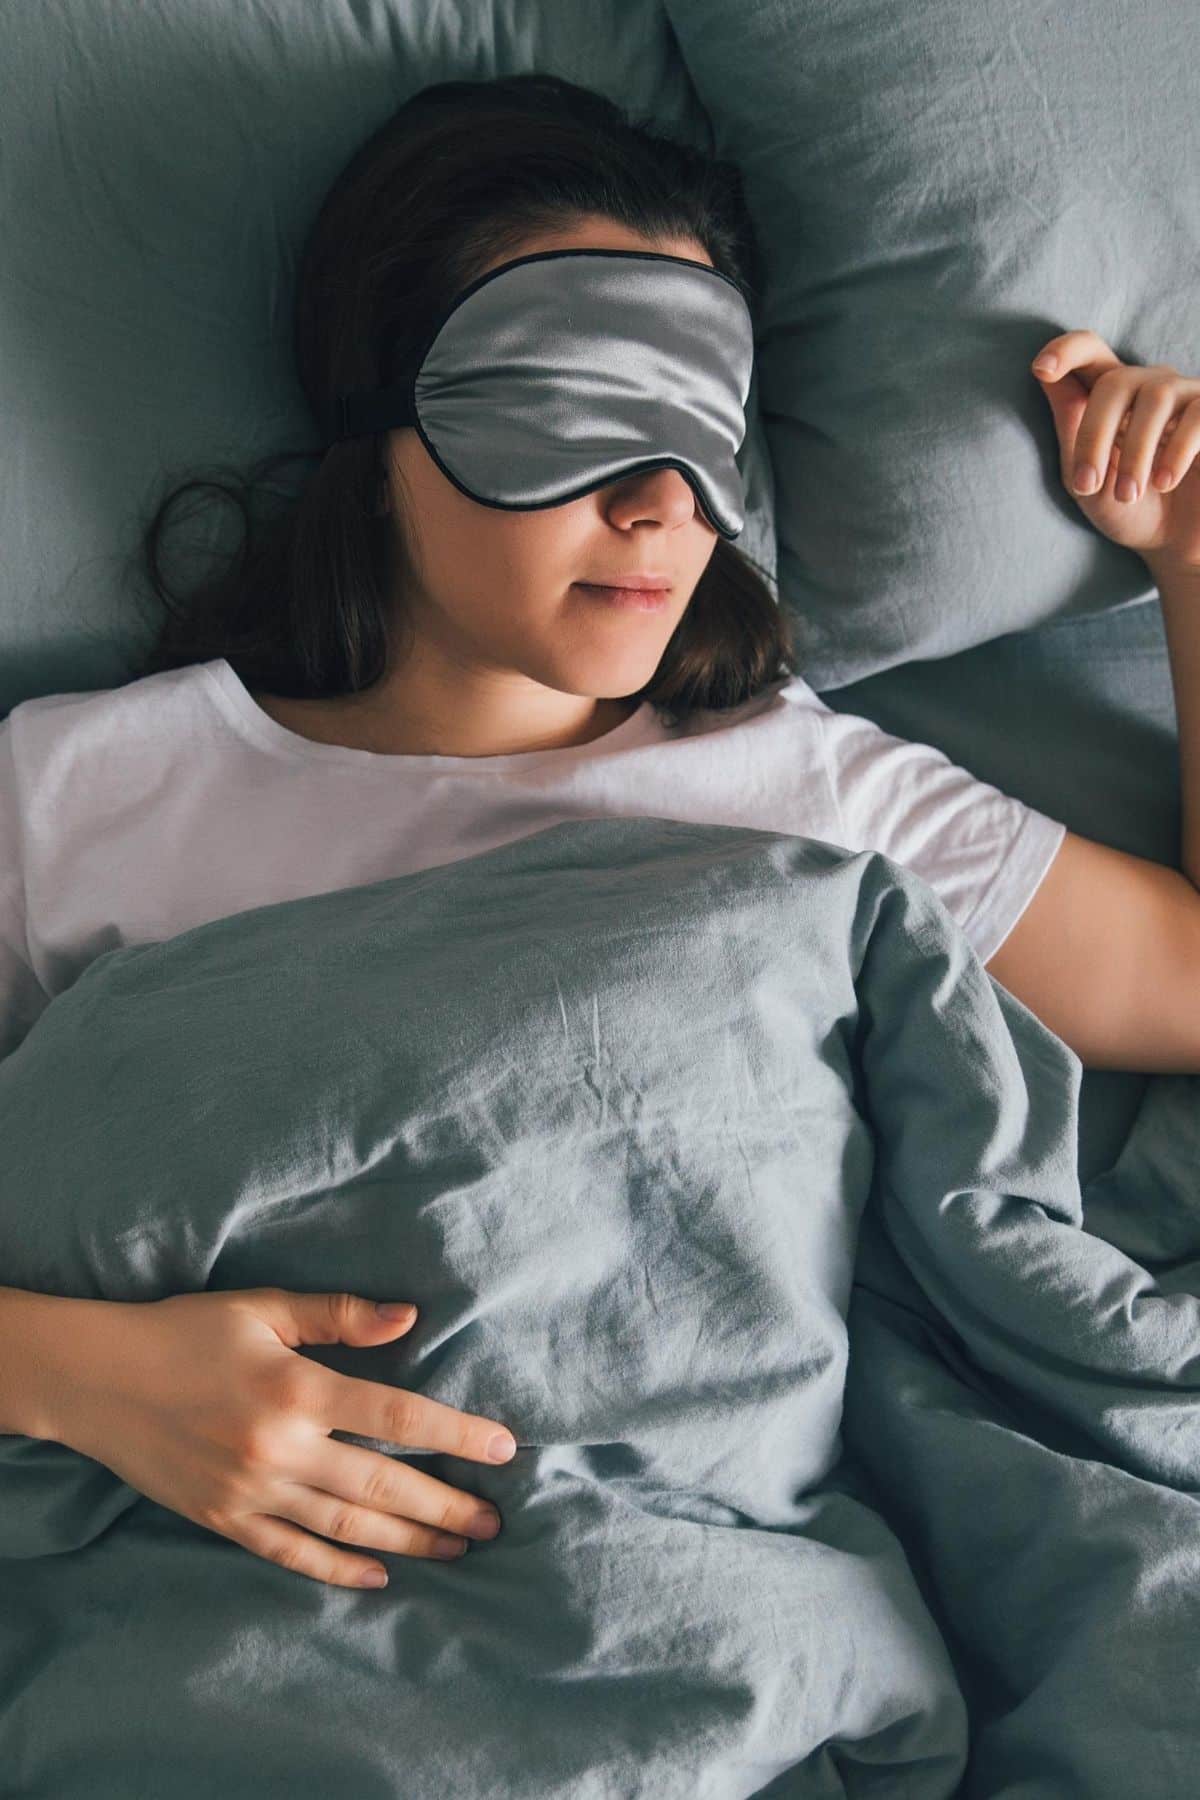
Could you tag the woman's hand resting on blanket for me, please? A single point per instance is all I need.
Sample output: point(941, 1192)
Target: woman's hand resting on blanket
point(1126, 424)
point(201, 1403)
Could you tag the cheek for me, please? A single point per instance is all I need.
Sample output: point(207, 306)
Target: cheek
point(461, 540)
point(530, 557)
point(543, 551)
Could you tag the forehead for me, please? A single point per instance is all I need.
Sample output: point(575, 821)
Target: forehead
point(595, 233)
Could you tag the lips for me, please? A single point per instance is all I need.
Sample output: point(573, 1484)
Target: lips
point(641, 583)
point(640, 599)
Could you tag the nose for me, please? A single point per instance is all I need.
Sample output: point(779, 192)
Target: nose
point(667, 495)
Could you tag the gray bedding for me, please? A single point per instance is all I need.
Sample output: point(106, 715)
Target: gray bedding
point(678, 1136)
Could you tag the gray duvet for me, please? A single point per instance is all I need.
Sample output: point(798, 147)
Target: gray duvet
point(722, 1173)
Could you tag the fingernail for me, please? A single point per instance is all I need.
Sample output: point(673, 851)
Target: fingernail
point(1162, 478)
point(1127, 488)
point(1085, 478)
point(373, 1578)
point(1045, 365)
point(387, 1309)
point(502, 1446)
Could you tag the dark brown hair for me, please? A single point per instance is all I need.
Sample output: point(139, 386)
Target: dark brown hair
point(463, 172)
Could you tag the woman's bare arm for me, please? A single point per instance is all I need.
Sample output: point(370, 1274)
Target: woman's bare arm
point(1107, 954)
point(36, 1332)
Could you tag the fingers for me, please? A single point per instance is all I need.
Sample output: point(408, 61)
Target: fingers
point(302, 1554)
point(1178, 449)
point(1084, 352)
point(370, 1500)
point(361, 1497)
point(1155, 401)
point(346, 1523)
point(1149, 404)
point(1131, 415)
point(398, 1416)
point(393, 1514)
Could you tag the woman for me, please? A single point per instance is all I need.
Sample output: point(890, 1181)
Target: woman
point(394, 676)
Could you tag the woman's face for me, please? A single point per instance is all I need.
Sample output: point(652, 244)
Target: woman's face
point(496, 591)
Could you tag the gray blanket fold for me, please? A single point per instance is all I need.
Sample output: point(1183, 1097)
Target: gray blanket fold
point(849, 1461)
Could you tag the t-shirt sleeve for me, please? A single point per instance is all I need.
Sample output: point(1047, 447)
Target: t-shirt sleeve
point(22, 996)
point(983, 852)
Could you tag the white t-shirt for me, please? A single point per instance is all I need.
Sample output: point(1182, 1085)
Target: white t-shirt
point(134, 813)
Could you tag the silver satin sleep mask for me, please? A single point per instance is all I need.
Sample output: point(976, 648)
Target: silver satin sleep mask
point(566, 370)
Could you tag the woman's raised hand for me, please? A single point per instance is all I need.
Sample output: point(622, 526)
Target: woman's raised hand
point(200, 1402)
point(1129, 446)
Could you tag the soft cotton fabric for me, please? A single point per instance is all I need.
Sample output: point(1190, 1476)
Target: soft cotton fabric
point(134, 813)
point(611, 1102)
point(936, 201)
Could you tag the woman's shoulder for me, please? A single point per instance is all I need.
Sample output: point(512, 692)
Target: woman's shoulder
point(76, 740)
point(59, 711)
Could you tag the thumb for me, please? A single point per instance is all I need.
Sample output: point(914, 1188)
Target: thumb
point(1068, 400)
point(326, 1318)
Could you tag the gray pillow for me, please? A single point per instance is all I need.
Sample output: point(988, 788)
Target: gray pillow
point(938, 189)
point(153, 205)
